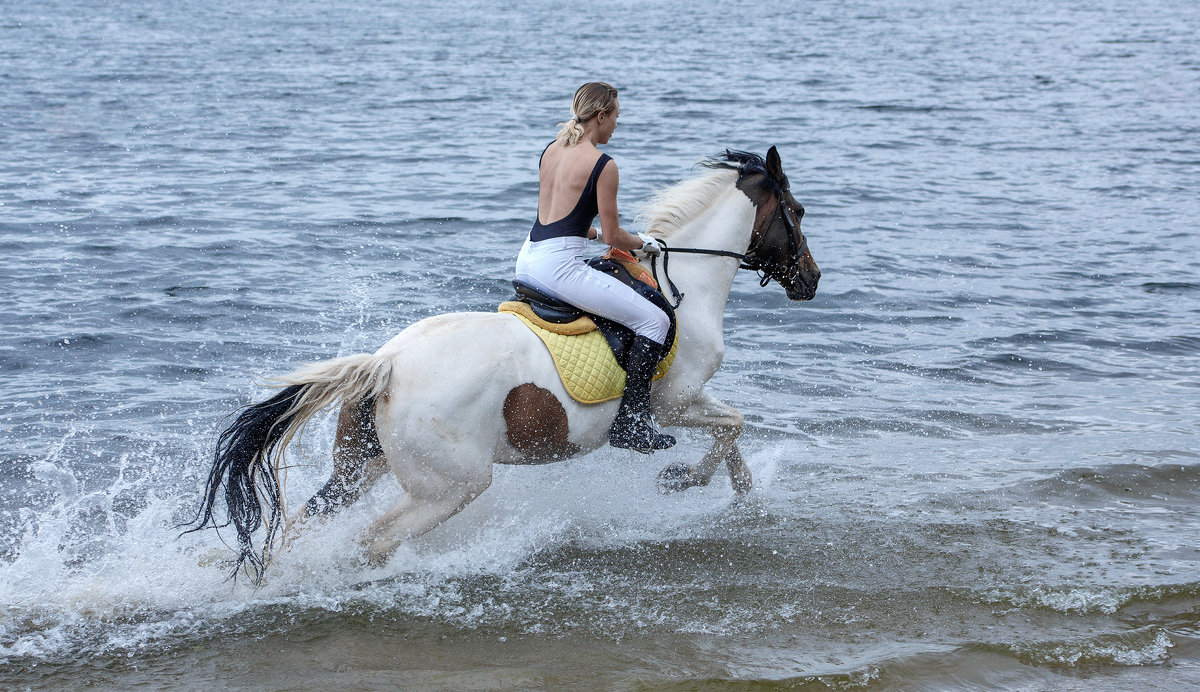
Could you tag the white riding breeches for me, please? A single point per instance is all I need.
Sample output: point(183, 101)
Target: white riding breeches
point(555, 266)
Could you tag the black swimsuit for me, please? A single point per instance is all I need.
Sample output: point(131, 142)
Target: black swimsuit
point(580, 219)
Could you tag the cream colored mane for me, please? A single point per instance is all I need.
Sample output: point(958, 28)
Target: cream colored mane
point(673, 207)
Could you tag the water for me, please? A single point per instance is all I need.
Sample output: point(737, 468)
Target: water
point(975, 452)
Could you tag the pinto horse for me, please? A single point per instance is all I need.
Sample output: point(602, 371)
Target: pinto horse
point(439, 410)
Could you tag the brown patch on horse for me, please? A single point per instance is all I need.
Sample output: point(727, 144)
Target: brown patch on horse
point(356, 433)
point(537, 424)
point(358, 459)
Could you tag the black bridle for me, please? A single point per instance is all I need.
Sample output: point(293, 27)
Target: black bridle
point(766, 269)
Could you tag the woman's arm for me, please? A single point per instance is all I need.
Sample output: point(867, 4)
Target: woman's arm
point(606, 202)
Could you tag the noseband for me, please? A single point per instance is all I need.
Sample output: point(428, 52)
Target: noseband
point(766, 268)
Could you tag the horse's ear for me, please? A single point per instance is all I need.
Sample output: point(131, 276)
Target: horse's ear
point(774, 167)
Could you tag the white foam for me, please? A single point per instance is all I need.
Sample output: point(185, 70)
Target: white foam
point(1065, 600)
point(86, 578)
point(1142, 648)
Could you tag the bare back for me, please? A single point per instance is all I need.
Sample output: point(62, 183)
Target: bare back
point(563, 176)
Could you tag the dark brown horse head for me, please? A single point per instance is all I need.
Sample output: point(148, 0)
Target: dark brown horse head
point(778, 249)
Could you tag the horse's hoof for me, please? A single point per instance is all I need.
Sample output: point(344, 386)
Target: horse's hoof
point(741, 482)
point(215, 556)
point(375, 553)
point(227, 561)
point(677, 477)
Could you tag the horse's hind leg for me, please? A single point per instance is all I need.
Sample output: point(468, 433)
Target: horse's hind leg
point(358, 460)
point(417, 513)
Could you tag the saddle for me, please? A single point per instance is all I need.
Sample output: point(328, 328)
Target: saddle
point(589, 351)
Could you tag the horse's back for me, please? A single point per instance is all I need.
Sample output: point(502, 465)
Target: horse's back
point(448, 352)
point(450, 327)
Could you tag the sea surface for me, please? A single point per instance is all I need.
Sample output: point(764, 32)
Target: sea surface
point(976, 456)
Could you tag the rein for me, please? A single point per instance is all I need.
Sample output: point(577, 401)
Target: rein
point(766, 269)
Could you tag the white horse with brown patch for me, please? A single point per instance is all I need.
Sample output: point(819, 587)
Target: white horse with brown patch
point(452, 395)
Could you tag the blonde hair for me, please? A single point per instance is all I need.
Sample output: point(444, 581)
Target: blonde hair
point(590, 99)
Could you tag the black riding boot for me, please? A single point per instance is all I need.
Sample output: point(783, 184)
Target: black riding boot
point(632, 428)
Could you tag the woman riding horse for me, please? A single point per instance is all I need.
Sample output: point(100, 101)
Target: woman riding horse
point(575, 183)
point(440, 413)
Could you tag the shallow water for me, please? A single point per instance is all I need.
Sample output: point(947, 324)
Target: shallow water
point(974, 453)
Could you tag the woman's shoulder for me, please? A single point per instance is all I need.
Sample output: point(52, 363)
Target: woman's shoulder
point(606, 164)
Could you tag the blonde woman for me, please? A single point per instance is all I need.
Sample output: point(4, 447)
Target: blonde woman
point(575, 183)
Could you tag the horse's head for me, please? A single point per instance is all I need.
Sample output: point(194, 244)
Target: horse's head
point(778, 249)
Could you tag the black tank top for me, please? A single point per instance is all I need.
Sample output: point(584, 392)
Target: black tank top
point(580, 219)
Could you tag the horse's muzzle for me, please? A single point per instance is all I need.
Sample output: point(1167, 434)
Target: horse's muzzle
point(803, 287)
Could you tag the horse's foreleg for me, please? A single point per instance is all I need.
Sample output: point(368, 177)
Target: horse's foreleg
point(725, 424)
point(739, 474)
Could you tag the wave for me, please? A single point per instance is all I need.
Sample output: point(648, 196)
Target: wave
point(1178, 344)
point(1142, 647)
point(1170, 286)
point(1161, 485)
point(1088, 599)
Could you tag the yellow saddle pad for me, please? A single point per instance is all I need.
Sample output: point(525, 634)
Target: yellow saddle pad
point(589, 370)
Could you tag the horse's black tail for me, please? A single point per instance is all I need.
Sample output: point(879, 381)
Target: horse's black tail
point(249, 453)
point(242, 463)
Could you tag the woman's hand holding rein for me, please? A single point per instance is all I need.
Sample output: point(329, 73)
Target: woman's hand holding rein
point(650, 246)
point(624, 240)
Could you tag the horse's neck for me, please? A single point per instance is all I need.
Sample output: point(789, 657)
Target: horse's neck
point(726, 224)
